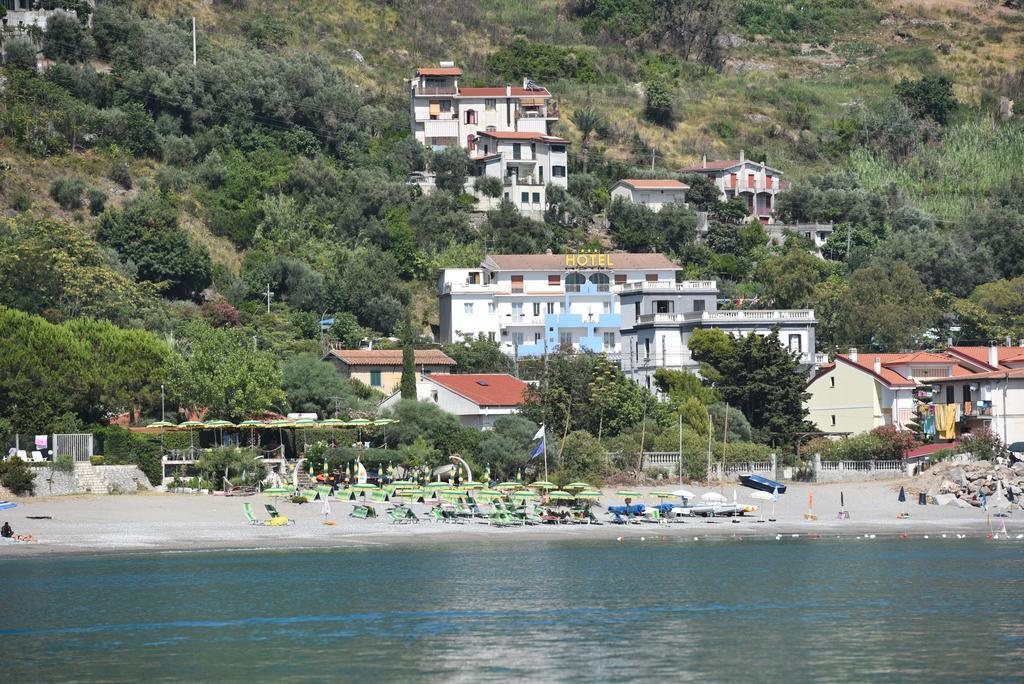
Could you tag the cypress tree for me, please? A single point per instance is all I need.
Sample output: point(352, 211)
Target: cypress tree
point(408, 384)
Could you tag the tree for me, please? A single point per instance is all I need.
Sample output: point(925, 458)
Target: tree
point(506, 449)
point(634, 227)
point(792, 279)
point(510, 232)
point(65, 39)
point(886, 309)
point(478, 355)
point(408, 382)
point(488, 186)
point(314, 386)
point(582, 459)
point(942, 259)
point(703, 193)
point(588, 121)
point(761, 378)
point(658, 103)
point(691, 28)
point(347, 331)
point(931, 97)
point(218, 370)
point(146, 232)
point(450, 167)
point(682, 385)
point(21, 54)
point(439, 430)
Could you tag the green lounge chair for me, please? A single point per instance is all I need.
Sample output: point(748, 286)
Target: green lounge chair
point(379, 496)
point(401, 514)
point(323, 492)
point(360, 512)
point(247, 509)
point(274, 514)
point(310, 494)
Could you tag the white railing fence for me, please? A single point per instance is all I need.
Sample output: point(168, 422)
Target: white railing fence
point(78, 447)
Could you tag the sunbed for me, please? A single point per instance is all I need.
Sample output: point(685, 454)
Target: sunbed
point(247, 509)
point(401, 514)
point(361, 512)
point(274, 514)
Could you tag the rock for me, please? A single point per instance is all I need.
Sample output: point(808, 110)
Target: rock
point(944, 499)
point(950, 487)
point(944, 48)
point(958, 476)
point(729, 40)
point(758, 118)
point(354, 55)
point(1018, 467)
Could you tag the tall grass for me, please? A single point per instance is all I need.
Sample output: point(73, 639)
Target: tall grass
point(956, 175)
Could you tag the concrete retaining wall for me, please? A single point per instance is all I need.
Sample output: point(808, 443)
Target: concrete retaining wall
point(89, 479)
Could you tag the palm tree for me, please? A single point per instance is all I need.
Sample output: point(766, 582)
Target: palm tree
point(587, 121)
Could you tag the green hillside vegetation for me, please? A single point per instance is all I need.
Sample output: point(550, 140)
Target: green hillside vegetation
point(166, 198)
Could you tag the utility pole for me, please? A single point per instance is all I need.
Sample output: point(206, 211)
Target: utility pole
point(680, 448)
point(254, 348)
point(337, 400)
point(193, 41)
point(515, 359)
point(269, 295)
point(654, 151)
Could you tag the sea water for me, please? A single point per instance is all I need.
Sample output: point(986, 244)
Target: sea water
point(655, 610)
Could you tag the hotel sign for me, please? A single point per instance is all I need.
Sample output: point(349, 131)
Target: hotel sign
point(589, 261)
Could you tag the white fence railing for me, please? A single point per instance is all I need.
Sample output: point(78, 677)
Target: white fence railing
point(78, 447)
point(860, 466)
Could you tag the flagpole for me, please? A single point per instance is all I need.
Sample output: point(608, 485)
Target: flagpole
point(544, 443)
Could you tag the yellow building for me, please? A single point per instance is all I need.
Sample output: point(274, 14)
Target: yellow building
point(381, 369)
point(859, 392)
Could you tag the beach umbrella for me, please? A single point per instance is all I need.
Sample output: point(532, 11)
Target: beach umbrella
point(219, 425)
point(684, 494)
point(384, 422)
point(662, 495)
point(628, 494)
point(775, 497)
point(487, 494)
point(523, 495)
point(713, 498)
point(589, 494)
point(191, 425)
point(561, 495)
point(507, 485)
point(487, 474)
point(577, 485)
point(253, 425)
point(404, 484)
point(473, 485)
point(543, 484)
point(280, 425)
point(762, 496)
point(902, 498)
point(162, 424)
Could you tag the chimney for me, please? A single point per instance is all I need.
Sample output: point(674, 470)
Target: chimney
point(524, 82)
point(743, 156)
point(878, 366)
point(1020, 342)
point(949, 342)
point(508, 90)
point(704, 161)
point(1009, 341)
point(993, 355)
point(853, 354)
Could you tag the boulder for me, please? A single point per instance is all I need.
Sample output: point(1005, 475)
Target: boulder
point(948, 486)
point(958, 476)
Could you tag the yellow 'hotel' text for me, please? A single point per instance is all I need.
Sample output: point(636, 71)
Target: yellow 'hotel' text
point(589, 261)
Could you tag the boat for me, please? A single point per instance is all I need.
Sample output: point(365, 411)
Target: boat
point(762, 484)
point(4, 505)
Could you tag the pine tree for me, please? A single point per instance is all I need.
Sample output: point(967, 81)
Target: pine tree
point(408, 384)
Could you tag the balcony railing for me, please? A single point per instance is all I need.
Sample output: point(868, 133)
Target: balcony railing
point(436, 90)
point(970, 409)
point(535, 114)
point(509, 181)
point(753, 316)
point(669, 286)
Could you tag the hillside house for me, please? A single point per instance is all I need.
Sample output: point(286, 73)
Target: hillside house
point(653, 194)
point(477, 399)
point(525, 163)
point(381, 369)
point(755, 182)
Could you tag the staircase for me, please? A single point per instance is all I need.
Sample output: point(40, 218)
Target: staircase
point(90, 479)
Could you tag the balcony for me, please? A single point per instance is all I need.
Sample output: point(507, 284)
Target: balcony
point(538, 114)
point(739, 316)
point(982, 410)
point(435, 90)
point(524, 320)
point(515, 181)
point(669, 286)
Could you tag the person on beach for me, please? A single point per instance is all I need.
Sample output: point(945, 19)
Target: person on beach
point(6, 531)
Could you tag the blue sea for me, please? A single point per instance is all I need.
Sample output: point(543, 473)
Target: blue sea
point(659, 610)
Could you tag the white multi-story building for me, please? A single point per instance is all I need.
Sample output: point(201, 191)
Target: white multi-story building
point(653, 194)
point(536, 303)
point(658, 319)
point(445, 114)
point(757, 183)
point(525, 163)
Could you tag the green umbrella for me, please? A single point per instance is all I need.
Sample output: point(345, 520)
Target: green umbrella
point(215, 424)
point(411, 493)
point(578, 485)
point(508, 485)
point(559, 494)
point(488, 494)
point(332, 423)
point(525, 495)
point(380, 422)
point(437, 485)
point(543, 484)
point(589, 495)
point(662, 495)
point(192, 425)
point(404, 484)
point(162, 424)
point(304, 423)
point(472, 485)
point(628, 494)
point(363, 487)
point(252, 424)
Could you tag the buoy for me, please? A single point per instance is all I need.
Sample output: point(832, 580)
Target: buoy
point(871, 536)
point(643, 538)
point(926, 536)
point(795, 536)
point(778, 537)
point(618, 539)
point(943, 536)
point(696, 539)
point(903, 536)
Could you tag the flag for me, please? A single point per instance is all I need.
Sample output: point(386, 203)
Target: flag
point(984, 502)
point(539, 449)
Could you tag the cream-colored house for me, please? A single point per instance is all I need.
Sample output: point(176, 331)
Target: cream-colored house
point(381, 369)
point(859, 392)
point(653, 194)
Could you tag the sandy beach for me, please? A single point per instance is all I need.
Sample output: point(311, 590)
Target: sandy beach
point(168, 522)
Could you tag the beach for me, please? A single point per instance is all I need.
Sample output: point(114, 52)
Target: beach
point(169, 522)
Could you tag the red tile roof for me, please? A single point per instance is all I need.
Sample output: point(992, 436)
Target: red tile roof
point(522, 135)
point(927, 449)
point(390, 357)
point(439, 71)
point(667, 184)
point(979, 355)
point(893, 378)
point(556, 262)
point(500, 92)
point(483, 389)
point(1012, 373)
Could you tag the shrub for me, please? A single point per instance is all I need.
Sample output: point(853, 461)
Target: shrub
point(96, 460)
point(21, 54)
point(123, 447)
point(488, 186)
point(983, 445)
point(120, 174)
point(97, 201)
point(658, 106)
point(16, 476)
point(67, 191)
point(63, 464)
point(299, 499)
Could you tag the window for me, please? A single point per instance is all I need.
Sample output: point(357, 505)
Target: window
point(536, 308)
point(651, 277)
point(517, 151)
point(471, 145)
point(620, 278)
point(526, 198)
point(433, 396)
point(554, 280)
point(832, 381)
point(574, 281)
point(537, 337)
point(664, 306)
point(517, 312)
point(541, 171)
point(471, 116)
point(558, 172)
point(375, 379)
point(647, 349)
point(795, 344)
point(533, 150)
point(558, 148)
point(536, 198)
point(950, 398)
point(601, 281)
point(517, 283)
point(606, 307)
point(491, 129)
point(833, 420)
point(636, 309)
point(467, 308)
point(474, 278)
point(491, 307)
point(551, 308)
point(967, 393)
point(491, 336)
point(609, 341)
point(517, 339)
point(698, 304)
point(489, 104)
point(565, 339)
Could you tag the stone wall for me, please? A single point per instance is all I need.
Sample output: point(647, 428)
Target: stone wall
point(124, 479)
point(89, 479)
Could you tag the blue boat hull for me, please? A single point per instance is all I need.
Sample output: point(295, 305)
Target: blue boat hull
point(762, 483)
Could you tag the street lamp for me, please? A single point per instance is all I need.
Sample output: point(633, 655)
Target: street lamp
point(162, 403)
